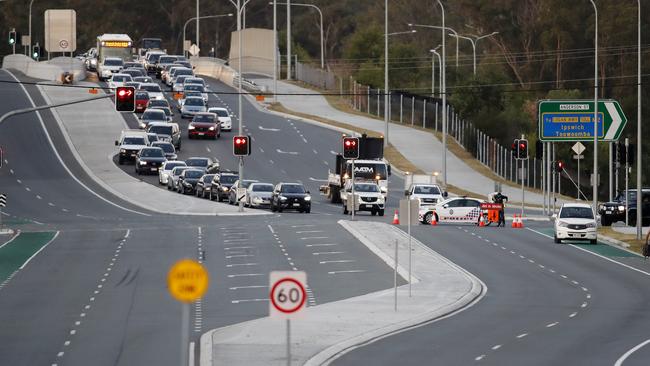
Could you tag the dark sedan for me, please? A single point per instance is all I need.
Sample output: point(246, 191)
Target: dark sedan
point(203, 186)
point(221, 184)
point(290, 196)
point(188, 179)
point(149, 159)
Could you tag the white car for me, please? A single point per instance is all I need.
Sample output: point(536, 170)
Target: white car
point(455, 209)
point(109, 66)
point(576, 221)
point(258, 195)
point(166, 169)
point(369, 197)
point(118, 80)
point(225, 118)
point(154, 90)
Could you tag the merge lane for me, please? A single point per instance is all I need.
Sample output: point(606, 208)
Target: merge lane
point(528, 310)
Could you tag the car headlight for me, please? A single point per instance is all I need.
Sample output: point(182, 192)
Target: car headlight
point(383, 189)
point(602, 207)
point(308, 198)
point(621, 208)
point(143, 125)
point(143, 163)
point(562, 224)
point(211, 129)
point(122, 151)
point(283, 198)
point(225, 189)
point(191, 127)
point(380, 199)
point(257, 199)
point(591, 225)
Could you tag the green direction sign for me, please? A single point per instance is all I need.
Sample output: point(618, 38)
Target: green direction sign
point(573, 120)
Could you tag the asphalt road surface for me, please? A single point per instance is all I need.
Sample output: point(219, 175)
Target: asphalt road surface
point(96, 294)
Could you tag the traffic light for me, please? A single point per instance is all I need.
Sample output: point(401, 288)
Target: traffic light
point(558, 166)
point(513, 148)
point(36, 52)
point(522, 149)
point(351, 147)
point(125, 99)
point(241, 145)
point(12, 37)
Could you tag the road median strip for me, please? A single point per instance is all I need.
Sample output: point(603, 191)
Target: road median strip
point(328, 331)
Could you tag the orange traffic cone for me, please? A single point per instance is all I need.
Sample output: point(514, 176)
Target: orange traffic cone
point(514, 221)
point(434, 222)
point(481, 223)
point(396, 218)
point(521, 222)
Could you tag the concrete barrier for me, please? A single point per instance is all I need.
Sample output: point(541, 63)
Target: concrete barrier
point(46, 70)
point(215, 68)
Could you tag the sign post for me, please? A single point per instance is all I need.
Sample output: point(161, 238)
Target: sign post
point(187, 281)
point(412, 208)
point(287, 290)
point(579, 149)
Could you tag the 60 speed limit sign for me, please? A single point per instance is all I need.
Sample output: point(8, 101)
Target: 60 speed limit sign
point(287, 293)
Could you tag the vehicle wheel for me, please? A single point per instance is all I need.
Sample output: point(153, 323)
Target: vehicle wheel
point(381, 212)
point(218, 135)
point(279, 208)
point(335, 194)
point(556, 240)
point(196, 193)
point(301, 210)
point(120, 161)
point(169, 188)
point(373, 213)
point(593, 241)
point(137, 171)
point(345, 209)
point(427, 217)
point(308, 210)
point(273, 208)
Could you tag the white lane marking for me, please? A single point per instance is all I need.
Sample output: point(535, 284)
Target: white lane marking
point(479, 358)
point(572, 315)
point(584, 305)
point(268, 129)
point(241, 265)
point(10, 170)
point(28, 189)
point(305, 140)
point(235, 240)
point(596, 254)
point(309, 225)
point(317, 180)
point(496, 347)
point(320, 245)
point(341, 261)
point(287, 152)
point(325, 253)
point(244, 287)
point(248, 300)
point(351, 271)
point(552, 324)
point(19, 181)
point(271, 161)
point(309, 231)
point(585, 289)
point(314, 237)
point(333, 152)
point(522, 335)
point(326, 163)
point(261, 150)
point(589, 296)
point(245, 275)
point(40, 250)
point(627, 354)
point(235, 248)
point(208, 149)
point(50, 204)
point(239, 256)
point(271, 228)
point(315, 152)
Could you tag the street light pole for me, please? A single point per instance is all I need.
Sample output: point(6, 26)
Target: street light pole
point(595, 180)
point(435, 53)
point(198, 19)
point(203, 17)
point(474, 41)
point(639, 140)
point(288, 39)
point(275, 51)
point(30, 26)
point(320, 13)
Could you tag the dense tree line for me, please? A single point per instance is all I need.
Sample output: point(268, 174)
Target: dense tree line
point(544, 48)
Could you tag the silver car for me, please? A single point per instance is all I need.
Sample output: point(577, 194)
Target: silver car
point(192, 106)
point(172, 179)
point(259, 195)
point(166, 170)
point(152, 115)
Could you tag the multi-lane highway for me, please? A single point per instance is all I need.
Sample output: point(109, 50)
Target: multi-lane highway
point(96, 293)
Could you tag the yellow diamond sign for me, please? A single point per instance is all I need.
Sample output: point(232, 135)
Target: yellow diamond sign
point(187, 280)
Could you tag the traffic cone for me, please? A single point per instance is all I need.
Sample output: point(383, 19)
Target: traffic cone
point(521, 222)
point(396, 218)
point(434, 222)
point(481, 223)
point(514, 221)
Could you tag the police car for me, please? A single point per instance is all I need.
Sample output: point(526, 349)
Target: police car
point(455, 209)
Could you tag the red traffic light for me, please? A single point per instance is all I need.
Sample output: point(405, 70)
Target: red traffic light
point(351, 147)
point(241, 145)
point(125, 99)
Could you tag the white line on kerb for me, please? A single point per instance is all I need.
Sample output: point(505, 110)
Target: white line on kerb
point(627, 354)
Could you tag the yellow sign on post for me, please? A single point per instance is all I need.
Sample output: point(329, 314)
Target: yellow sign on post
point(187, 280)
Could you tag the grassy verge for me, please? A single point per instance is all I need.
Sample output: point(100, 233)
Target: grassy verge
point(635, 245)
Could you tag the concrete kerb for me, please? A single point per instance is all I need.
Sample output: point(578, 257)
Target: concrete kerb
point(444, 290)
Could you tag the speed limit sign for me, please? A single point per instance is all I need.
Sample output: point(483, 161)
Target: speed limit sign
point(287, 293)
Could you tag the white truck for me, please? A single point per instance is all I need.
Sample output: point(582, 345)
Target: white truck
point(425, 188)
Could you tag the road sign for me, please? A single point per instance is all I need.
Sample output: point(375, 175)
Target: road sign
point(194, 50)
point(404, 210)
point(3, 200)
point(287, 293)
point(187, 280)
point(578, 157)
point(241, 193)
point(579, 148)
point(572, 120)
point(60, 30)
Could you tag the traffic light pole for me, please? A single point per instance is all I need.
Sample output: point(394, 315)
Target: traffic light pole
point(34, 109)
point(354, 203)
point(627, 181)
